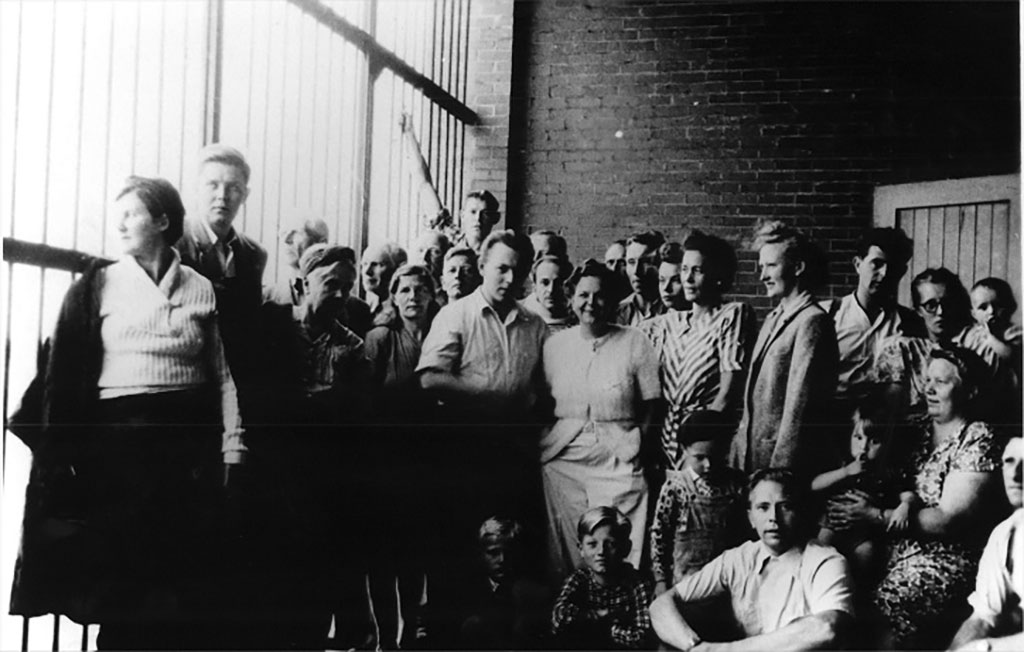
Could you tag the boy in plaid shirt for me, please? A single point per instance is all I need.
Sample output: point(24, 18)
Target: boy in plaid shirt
point(603, 605)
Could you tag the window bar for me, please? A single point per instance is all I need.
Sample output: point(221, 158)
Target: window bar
point(428, 136)
point(135, 87)
point(251, 85)
point(110, 101)
point(280, 132)
point(55, 643)
point(266, 115)
point(463, 95)
point(373, 74)
point(316, 89)
point(85, 638)
point(327, 129)
point(160, 87)
point(184, 96)
point(14, 159)
point(24, 619)
point(456, 87)
point(214, 57)
point(78, 141)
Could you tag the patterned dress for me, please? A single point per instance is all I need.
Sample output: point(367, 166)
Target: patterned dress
point(926, 580)
point(904, 361)
point(693, 353)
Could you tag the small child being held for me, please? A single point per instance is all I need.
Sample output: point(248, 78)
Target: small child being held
point(997, 340)
point(871, 469)
point(701, 509)
point(603, 605)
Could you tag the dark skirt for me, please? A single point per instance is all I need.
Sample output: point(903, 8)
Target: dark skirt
point(118, 515)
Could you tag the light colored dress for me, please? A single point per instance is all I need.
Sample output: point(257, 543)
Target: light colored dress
point(926, 580)
point(590, 456)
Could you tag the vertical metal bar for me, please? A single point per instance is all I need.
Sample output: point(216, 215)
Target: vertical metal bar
point(465, 88)
point(135, 88)
point(316, 88)
point(327, 127)
point(447, 87)
point(429, 136)
point(284, 83)
point(46, 175)
point(266, 114)
point(55, 644)
point(7, 375)
point(78, 131)
point(214, 65)
point(374, 74)
point(17, 114)
point(24, 619)
point(85, 638)
point(110, 102)
point(184, 96)
point(160, 88)
point(251, 84)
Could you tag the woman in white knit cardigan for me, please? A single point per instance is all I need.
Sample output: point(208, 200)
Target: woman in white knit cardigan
point(139, 412)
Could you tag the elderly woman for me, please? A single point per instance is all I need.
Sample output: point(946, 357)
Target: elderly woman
point(126, 466)
point(954, 460)
point(604, 380)
point(398, 458)
point(794, 363)
point(902, 362)
point(704, 350)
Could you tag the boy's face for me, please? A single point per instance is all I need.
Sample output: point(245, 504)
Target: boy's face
point(499, 558)
point(641, 268)
point(772, 515)
point(703, 457)
point(864, 445)
point(601, 550)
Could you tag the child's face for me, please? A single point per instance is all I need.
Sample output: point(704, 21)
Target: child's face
point(864, 446)
point(602, 550)
point(703, 457)
point(499, 558)
point(987, 307)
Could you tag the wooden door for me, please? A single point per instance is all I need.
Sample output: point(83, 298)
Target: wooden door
point(970, 226)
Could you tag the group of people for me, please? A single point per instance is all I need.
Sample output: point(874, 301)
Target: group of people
point(478, 444)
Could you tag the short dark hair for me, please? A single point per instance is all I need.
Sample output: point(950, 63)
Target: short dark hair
point(1002, 289)
point(795, 488)
point(161, 199)
point(898, 247)
point(671, 253)
point(593, 269)
point(491, 204)
point(651, 239)
point(719, 257)
point(706, 425)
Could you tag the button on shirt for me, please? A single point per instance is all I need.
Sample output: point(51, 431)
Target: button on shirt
point(859, 339)
point(468, 339)
point(769, 592)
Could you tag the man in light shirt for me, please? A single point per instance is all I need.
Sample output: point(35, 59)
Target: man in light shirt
point(787, 593)
point(995, 623)
point(870, 313)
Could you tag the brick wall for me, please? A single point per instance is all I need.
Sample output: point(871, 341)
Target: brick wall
point(487, 93)
point(715, 115)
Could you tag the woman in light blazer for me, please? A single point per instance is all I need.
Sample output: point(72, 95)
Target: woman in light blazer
point(794, 363)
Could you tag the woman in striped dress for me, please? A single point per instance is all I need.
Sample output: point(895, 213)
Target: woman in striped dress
point(703, 351)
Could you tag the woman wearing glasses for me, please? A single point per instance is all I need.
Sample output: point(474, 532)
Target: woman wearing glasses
point(902, 364)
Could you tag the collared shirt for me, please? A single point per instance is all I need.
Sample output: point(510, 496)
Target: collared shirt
point(768, 592)
point(626, 602)
point(633, 310)
point(1000, 584)
point(160, 337)
point(860, 339)
point(468, 339)
point(224, 248)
